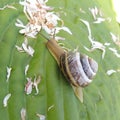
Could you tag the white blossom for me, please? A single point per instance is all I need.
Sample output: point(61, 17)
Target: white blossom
point(40, 17)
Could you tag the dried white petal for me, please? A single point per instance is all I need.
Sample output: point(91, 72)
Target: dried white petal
point(19, 23)
point(114, 37)
point(63, 28)
point(49, 108)
point(107, 44)
point(94, 12)
point(20, 49)
point(59, 38)
point(26, 69)
point(81, 10)
point(97, 15)
point(23, 113)
point(41, 117)
point(88, 27)
point(95, 44)
point(8, 6)
point(99, 20)
point(8, 73)
point(52, 18)
point(5, 100)
point(40, 17)
point(25, 48)
point(35, 84)
point(28, 86)
point(98, 45)
point(110, 72)
point(115, 52)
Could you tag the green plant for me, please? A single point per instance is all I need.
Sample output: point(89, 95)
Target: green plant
point(56, 99)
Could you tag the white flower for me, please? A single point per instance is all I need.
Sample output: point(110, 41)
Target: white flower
point(40, 17)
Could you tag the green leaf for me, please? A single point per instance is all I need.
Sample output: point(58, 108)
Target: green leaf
point(56, 99)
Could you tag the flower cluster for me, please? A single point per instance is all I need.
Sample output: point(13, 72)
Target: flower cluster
point(40, 16)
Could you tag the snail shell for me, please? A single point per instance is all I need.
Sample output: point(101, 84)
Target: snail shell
point(79, 69)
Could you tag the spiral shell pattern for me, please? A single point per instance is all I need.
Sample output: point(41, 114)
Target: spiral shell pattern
point(77, 68)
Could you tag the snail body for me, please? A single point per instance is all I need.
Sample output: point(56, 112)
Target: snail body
point(78, 68)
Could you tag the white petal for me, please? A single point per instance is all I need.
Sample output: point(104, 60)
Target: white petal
point(59, 38)
point(8, 73)
point(28, 86)
point(41, 117)
point(114, 37)
point(26, 69)
point(110, 72)
point(8, 6)
point(22, 31)
point(35, 84)
point(19, 23)
point(88, 27)
point(19, 48)
point(107, 44)
point(49, 31)
point(30, 51)
point(65, 29)
point(115, 52)
point(99, 20)
point(98, 45)
point(23, 113)
point(5, 100)
point(49, 108)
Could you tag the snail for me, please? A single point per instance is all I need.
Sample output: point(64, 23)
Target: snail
point(79, 69)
